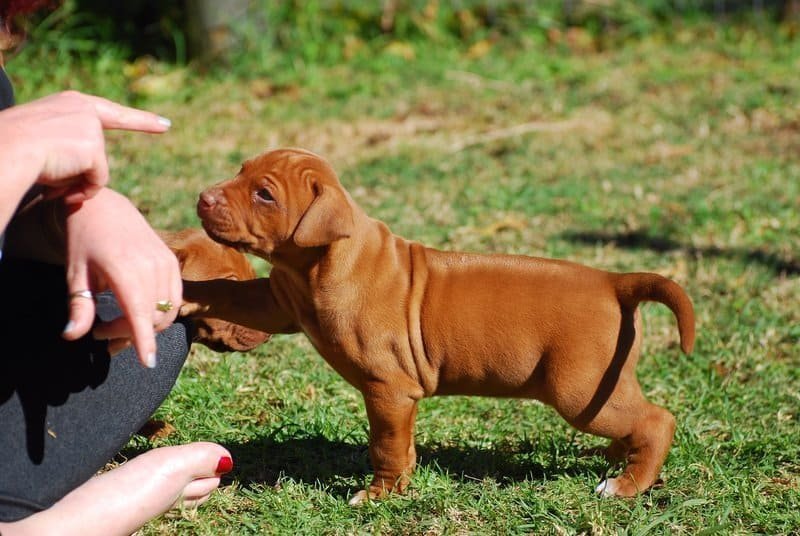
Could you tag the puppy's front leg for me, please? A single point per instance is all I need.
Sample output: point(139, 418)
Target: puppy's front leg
point(391, 440)
point(249, 303)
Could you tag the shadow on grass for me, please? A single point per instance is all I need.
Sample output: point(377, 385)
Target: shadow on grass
point(641, 239)
point(508, 464)
point(334, 464)
point(307, 459)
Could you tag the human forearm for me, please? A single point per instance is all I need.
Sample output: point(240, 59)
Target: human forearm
point(18, 173)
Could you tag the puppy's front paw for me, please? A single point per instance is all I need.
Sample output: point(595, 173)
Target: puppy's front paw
point(188, 309)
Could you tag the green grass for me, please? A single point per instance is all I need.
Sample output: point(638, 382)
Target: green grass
point(676, 154)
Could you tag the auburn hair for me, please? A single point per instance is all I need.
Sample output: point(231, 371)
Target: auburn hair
point(11, 11)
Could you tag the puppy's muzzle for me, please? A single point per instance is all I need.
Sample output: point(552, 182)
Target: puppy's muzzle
point(209, 200)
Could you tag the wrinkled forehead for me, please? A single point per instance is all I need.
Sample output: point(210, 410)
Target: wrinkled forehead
point(290, 166)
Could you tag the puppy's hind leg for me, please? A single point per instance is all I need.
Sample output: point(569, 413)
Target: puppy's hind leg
point(646, 435)
point(640, 432)
point(617, 451)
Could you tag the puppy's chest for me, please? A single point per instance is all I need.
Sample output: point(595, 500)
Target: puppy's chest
point(339, 342)
point(351, 333)
point(328, 321)
point(329, 330)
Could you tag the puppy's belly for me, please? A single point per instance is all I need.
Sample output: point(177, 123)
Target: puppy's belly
point(518, 342)
point(500, 375)
point(486, 342)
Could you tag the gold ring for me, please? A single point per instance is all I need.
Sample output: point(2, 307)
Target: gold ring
point(164, 306)
point(86, 293)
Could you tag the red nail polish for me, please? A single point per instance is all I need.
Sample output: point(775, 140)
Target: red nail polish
point(225, 465)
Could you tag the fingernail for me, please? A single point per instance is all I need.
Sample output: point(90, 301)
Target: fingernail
point(225, 465)
point(164, 121)
point(69, 327)
point(150, 360)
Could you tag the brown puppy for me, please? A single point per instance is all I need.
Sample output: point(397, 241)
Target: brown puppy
point(202, 258)
point(401, 321)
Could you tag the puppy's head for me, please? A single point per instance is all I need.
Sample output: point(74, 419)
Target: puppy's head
point(201, 259)
point(279, 201)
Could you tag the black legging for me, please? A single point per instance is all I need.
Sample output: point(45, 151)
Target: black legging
point(66, 408)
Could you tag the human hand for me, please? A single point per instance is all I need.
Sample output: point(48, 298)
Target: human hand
point(60, 142)
point(111, 246)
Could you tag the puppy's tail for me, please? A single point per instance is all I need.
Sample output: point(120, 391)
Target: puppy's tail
point(633, 288)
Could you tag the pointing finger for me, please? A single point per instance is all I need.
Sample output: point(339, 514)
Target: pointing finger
point(117, 116)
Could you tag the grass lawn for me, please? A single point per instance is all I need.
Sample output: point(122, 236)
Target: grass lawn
point(676, 155)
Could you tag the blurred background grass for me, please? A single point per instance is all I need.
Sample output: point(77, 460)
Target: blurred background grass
point(265, 37)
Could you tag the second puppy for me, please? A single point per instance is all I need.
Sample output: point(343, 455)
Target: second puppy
point(200, 259)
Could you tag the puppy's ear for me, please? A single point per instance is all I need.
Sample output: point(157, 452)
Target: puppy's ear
point(328, 218)
point(222, 336)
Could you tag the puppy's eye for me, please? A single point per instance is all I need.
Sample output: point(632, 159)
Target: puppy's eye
point(264, 194)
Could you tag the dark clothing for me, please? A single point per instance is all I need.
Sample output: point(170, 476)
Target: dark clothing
point(66, 408)
point(6, 91)
point(6, 100)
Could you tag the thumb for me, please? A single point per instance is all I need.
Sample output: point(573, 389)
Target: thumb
point(81, 305)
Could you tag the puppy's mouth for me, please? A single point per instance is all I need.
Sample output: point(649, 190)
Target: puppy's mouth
point(241, 247)
point(217, 236)
point(225, 231)
point(220, 226)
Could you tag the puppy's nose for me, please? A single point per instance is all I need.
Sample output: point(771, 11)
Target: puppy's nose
point(207, 199)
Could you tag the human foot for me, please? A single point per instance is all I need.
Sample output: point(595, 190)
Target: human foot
point(125, 498)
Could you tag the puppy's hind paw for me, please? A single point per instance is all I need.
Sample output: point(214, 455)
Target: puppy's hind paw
point(606, 488)
point(359, 498)
point(617, 487)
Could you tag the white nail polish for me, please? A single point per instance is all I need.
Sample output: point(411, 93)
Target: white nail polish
point(164, 121)
point(69, 327)
point(150, 361)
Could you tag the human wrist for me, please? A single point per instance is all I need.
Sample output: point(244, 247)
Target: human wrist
point(21, 166)
point(95, 213)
